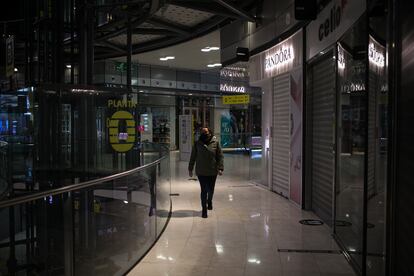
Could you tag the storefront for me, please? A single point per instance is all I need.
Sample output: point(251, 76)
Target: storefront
point(347, 130)
point(279, 73)
point(236, 119)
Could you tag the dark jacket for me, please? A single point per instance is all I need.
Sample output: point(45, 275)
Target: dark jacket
point(208, 158)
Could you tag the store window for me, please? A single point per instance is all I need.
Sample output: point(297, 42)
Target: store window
point(351, 140)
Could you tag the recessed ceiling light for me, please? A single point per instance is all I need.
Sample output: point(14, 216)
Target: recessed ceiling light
point(16, 70)
point(208, 49)
point(68, 66)
point(214, 65)
point(190, 94)
point(167, 58)
point(141, 91)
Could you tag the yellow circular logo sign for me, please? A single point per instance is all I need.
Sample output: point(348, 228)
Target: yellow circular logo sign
point(122, 131)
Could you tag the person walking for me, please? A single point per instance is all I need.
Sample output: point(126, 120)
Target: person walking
point(208, 159)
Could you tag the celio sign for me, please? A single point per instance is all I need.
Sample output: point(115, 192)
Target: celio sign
point(280, 57)
point(330, 24)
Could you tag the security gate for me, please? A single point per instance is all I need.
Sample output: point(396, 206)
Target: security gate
point(281, 135)
point(321, 110)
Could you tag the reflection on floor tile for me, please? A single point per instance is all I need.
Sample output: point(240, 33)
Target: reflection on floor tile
point(242, 234)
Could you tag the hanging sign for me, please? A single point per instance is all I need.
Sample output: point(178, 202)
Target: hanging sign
point(236, 99)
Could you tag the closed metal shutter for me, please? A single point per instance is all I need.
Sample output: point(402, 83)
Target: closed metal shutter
point(322, 101)
point(281, 135)
point(372, 145)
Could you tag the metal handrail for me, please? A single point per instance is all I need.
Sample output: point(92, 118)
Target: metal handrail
point(78, 186)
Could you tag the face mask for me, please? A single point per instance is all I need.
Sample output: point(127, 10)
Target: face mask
point(204, 137)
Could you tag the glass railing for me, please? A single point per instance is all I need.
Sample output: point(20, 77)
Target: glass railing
point(103, 226)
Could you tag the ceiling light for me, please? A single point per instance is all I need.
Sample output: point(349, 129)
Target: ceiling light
point(16, 70)
point(214, 65)
point(167, 58)
point(141, 91)
point(190, 94)
point(208, 49)
point(68, 66)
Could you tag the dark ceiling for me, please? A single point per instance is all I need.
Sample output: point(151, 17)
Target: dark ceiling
point(154, 23)
point(172, 22)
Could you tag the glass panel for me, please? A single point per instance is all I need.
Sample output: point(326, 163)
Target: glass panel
point(103, 230)
point(254, 138)
point(163, 201)
point(352, 123)
point(378, 93)
point(79, 135)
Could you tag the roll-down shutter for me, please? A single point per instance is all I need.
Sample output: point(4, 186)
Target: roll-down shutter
point(372, 124)
point(322, 99)
point(281, 134)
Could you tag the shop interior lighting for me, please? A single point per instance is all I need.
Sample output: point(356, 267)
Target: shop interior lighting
point(68, 66)
point(214, 65)
point(190, 94)
point(208, 49)
point(16, 70)
point(167, 58)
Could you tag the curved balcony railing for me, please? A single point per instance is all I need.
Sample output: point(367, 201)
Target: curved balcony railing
point(102, 226)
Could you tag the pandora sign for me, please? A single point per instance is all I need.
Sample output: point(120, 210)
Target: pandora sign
point(279, 58)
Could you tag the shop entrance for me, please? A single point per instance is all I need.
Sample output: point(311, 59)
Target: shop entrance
point(199, 108)
point(192, 111)
point(321, 135)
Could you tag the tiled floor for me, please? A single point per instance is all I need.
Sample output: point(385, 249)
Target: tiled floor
point(242, 234)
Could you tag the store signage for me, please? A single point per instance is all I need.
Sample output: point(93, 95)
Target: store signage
point(121, 128)
point(233, 72)
point(341, 58)
point(332, 22)
point(353, 87)
point(121, 104)
point(375, 56)
point(279, 58)
point(236, 99)
point(232, 88)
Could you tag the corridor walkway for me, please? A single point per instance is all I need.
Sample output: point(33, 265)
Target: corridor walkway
point(249, 232)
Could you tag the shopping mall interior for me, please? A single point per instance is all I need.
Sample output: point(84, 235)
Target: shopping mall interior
point(103, 103)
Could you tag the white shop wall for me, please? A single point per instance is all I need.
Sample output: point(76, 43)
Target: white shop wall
point(281, 67)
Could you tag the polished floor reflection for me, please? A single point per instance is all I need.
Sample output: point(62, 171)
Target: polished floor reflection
point(251, 231)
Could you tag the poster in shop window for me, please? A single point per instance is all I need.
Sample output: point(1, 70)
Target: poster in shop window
point(296, 102)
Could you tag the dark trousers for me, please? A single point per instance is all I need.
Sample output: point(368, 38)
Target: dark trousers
point(207, 184)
